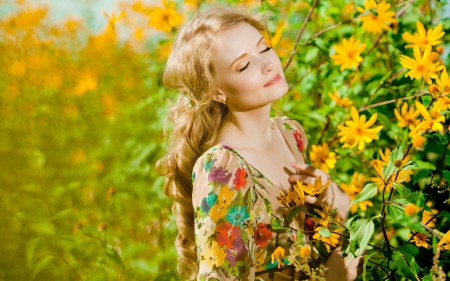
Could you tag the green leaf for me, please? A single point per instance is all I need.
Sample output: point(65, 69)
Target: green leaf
point(437, 138)
point(420, 175)
point(276, 226)
point(446, 175)
point(44, 228)
point(31, 246)
point(39, 266)
point(324, 232)
point(366, 259)
point(320, 44)
point(410, 165)
point(311, 55)
point(295, 211)
point(114, 256)
point(426, 99)
point(368, 192)
point(409, 249)
point(360, 233)
point(401, 189)
point(444, 214)
point(390, 168)
point(400, 266)
point(268, 206)
point(425, 165)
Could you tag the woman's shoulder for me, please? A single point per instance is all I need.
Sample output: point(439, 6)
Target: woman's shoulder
point(290, 123)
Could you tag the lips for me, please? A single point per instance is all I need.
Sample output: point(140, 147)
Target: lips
point(274, 80)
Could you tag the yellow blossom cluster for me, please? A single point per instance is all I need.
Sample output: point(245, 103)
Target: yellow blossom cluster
point(378, 164)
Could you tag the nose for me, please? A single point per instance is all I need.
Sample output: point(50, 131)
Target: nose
point(268, 66)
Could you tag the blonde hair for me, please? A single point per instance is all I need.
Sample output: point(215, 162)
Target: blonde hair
point(189, 69)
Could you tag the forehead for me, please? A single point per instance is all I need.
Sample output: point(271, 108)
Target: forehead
point(235, 41)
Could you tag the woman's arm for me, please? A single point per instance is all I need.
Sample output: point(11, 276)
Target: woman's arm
point(224, 224)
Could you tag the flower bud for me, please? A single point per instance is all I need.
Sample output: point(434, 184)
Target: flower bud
point(434, 90)
point(398, 163)
point(410, 210)
point(433, 56)
point(305, 251)
point(439, 49)
point(101, 226)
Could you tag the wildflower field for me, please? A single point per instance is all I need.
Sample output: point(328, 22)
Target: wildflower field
point(82, 113)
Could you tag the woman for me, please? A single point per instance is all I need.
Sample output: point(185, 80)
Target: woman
point(228, 160)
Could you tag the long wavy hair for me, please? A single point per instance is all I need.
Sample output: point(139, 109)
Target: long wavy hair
point(196, 118)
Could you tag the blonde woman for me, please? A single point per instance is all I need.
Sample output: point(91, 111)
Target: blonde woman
point(228, 159)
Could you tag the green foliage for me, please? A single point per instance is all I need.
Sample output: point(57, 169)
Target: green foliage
point(81, 126)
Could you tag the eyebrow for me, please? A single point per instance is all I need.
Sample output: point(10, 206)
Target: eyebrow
point(244, 54)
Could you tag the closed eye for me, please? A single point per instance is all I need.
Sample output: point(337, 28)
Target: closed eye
point(265, 50)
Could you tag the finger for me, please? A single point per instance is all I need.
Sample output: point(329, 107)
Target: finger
point(309, 170)
point(312, 200)
point(359, 271)
point(302, 178)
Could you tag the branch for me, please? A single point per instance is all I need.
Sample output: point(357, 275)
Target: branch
point(300, 33)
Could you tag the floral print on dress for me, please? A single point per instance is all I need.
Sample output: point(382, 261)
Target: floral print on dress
point(233, 232)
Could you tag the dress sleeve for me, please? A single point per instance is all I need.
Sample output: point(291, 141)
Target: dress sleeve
point(299, 128)
point(223, 197)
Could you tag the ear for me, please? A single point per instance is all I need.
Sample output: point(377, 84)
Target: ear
point(220, 97)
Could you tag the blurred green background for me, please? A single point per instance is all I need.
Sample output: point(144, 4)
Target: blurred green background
point(82, 109)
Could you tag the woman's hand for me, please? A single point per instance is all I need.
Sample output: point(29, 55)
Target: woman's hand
point(337, 270)
point(332, 197)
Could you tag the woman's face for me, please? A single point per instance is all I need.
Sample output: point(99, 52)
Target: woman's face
point(244, 65)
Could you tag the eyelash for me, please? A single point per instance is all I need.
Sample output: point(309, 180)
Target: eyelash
point(265, 50)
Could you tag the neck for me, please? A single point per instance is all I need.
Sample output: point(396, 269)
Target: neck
point(254, 125)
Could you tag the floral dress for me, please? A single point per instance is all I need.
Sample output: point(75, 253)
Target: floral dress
point(237, 214)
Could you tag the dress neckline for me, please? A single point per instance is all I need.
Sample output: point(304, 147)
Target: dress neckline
point(248, 163)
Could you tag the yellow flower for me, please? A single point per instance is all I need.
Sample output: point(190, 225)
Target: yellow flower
point(212, 255)
point(432, 121)
point(219, 209)
point(343, 102)
point(418, 142)
point(332, 241)
point(445, 239)
point(113, 19)
point(443, 82)
point(442, 103)
point(348, 53)
point(317, 187)
point(434, 89)
point(410, 210)
point(325, 217)
point(279, 252)
point(421, 66)
point(88, 82)
point(358, 131)
point(377, 164)
point(322, 158)
point(407, 118)
point(166, 18)
point(424, 38)
point(427, 215)
point(376, 22)
point(362, 205)
point(300, 192)
point(297, 196)
point(421, 240)
point(305, 251)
